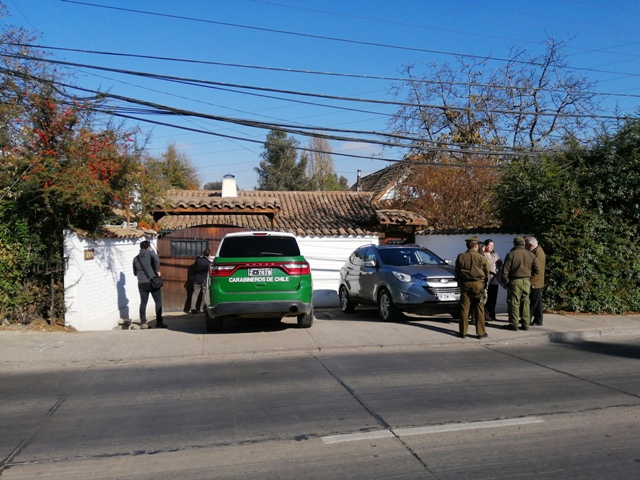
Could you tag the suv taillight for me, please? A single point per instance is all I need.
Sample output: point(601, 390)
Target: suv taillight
point(296, 268)
point(222, 270)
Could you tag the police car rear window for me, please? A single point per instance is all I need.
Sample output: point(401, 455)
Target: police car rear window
point(255, 246)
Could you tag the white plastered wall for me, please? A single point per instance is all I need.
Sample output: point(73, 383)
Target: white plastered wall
point(326, 255)
point(449, 246)
point(101, 291)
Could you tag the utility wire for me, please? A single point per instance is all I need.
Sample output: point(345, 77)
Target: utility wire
point(336, 39)
point(382, 159)
point(207, 83)
point(158, 109)
point(309, 72)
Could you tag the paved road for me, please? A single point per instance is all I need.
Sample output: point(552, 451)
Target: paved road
point(349, 398)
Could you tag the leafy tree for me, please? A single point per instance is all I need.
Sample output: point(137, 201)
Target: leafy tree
point(582, 204)
point(280, 169)
point(320, 168)
point(174, 169)
point(469, 114)
point(61, 169)
point(448, 193)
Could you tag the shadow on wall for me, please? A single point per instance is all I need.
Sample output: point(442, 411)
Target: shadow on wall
point(123, 301)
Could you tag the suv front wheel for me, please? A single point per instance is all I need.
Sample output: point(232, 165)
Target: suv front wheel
point(346, 304)
point(388, 311)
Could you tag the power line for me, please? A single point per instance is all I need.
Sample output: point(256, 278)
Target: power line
point(308, 72)
point(208, 83)
point(152, 108)
point(336, 39)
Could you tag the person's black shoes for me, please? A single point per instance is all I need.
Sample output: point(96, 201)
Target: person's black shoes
point(194, 311)
point(524, 327)
point(510, 327)
point(161, 325)
point(536, 324)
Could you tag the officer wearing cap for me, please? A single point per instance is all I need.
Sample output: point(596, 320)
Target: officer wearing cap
point(472, 274)
point(519, 265)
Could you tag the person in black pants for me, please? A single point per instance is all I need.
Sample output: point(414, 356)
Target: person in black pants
point(494, 261)
point(199, 279)
point(145, 266)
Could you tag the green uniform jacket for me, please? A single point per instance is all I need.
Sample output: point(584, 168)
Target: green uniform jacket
point(537, 280)
point(472, 266)
point(520, 263)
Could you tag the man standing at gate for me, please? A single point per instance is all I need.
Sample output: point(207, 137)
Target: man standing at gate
point(199, 279)
point(146, 266)
point(472, 274)
point(519, 265)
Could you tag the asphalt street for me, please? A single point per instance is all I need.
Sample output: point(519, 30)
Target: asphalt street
point(352, 397)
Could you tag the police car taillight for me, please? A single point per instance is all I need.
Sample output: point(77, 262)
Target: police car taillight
point(296, 268)
point(221, 270)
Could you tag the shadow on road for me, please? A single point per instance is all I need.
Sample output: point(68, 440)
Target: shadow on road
point(614, 349)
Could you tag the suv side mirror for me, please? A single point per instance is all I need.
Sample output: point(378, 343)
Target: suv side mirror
point(370, 263)
point(448, 262)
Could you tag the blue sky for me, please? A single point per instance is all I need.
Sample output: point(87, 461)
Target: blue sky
point(341, 37)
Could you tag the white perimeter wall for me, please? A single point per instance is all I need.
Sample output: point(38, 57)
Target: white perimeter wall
point(449, 246)
point(326, 255)
point(100, 292)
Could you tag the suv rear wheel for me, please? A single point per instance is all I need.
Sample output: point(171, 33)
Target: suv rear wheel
point(214, 324)
point(388, 311)
point(305, 320)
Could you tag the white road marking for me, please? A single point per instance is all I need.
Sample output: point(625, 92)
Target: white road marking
point(352, 437)
point(452, 427)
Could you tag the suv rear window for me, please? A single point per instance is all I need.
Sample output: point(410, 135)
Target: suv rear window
point(259, 246)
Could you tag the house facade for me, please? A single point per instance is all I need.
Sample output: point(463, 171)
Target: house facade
point(328, 226)
point(101, 290)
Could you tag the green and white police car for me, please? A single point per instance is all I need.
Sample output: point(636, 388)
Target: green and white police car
point(259, 275)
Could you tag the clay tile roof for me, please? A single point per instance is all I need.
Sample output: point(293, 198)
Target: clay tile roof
point(400, 217)
point(211, 200)
point(300, 213)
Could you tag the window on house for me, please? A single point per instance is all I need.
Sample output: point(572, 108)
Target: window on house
point(188, 248)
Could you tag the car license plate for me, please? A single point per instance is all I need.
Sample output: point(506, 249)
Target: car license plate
point(260, 272)
point(446, 296)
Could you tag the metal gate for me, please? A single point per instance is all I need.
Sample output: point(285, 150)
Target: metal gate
point(178, 251)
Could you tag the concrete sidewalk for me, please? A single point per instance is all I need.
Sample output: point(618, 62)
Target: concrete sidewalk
point(186, 339)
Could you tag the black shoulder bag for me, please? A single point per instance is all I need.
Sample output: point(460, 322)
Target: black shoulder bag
point(155, 281)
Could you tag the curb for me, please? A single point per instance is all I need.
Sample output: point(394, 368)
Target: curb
point(568, 337)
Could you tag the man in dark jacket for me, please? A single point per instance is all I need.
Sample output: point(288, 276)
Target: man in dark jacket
point(199, 278)
point(145, 266)
point(519, 265)
point(537, 281)
point(472, 274)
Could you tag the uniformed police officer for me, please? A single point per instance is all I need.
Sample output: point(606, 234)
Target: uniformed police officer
point(519, 265)
point(472, 274)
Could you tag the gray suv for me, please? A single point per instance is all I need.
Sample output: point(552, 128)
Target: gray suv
point(399, 278)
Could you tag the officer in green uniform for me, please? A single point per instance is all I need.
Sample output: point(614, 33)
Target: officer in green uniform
point(519, 265)
point(472, 274)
